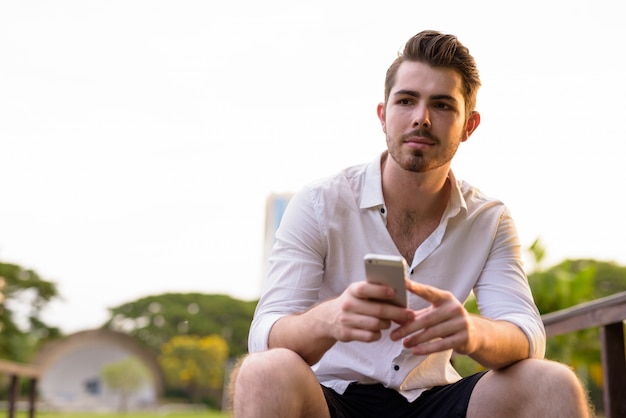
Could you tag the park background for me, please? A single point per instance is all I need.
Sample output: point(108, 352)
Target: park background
point(141, 139)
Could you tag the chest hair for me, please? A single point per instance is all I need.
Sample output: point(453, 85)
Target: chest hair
point(408, 230)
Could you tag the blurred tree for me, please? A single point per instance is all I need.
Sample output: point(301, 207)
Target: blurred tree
point(609, 277)
point(125, 377)
point(569, 283)
point(195, 364)
point(563, 285)
point(24, 295)
point(155, 320)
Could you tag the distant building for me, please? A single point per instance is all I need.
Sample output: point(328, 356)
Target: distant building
point(71, 372)
point(274, 208)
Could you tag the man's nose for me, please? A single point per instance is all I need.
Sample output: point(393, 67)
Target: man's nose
point(421, 117)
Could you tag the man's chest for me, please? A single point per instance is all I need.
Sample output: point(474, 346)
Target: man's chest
point(408, 231)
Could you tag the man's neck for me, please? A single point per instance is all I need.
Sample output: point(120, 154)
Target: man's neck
point(425, 193)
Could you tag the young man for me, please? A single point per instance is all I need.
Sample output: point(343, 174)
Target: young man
point(324, 343)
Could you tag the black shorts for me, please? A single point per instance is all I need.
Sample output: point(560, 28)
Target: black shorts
point(362, 401)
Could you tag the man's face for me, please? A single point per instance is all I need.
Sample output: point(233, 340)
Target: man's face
point(424, 117)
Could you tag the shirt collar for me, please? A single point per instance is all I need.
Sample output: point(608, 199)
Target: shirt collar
point(457, 202)
point(372, 195)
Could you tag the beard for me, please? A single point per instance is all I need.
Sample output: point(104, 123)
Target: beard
point(415, 160)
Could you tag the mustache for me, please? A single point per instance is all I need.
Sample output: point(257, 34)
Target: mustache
point(422, 133)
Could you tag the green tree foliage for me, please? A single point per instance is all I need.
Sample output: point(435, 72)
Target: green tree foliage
point(24, 295)
point(609, 277)
point(155, 320)
point(125, 377)
point(572, 282)
point(561, 286)
point(195, 364)
point(569, 283)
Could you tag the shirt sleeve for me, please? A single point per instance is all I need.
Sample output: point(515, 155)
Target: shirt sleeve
point(296, 269)
point(502, 291)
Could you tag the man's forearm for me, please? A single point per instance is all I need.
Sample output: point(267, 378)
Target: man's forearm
point(502, 343)
point(306, 334)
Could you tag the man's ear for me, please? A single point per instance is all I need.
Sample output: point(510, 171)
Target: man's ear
point(380, 110)
point(472, 123)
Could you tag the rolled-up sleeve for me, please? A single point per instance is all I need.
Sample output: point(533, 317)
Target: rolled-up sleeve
point(502, 291)
point(295, 272)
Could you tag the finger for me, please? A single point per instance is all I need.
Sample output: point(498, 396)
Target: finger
point(448, 330)
point(375, 291)
point(385, 310)
point(439, 321)
point(352, 326)
point(427, 344)
point(432, 346)
point(431, 294)
point(370, 313)
point(425, 320)
point(365, 322)
point(347, 334)
point(375, 300)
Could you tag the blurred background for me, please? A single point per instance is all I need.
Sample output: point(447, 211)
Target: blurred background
point(141, 140)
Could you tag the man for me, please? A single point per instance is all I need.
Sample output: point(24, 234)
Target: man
point(325, 343)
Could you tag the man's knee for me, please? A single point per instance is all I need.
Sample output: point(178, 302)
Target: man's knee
point(274, 362)
point(532, 386)
point(538, 374)
point(266, 369)
point(275, 380)
point(561, 386)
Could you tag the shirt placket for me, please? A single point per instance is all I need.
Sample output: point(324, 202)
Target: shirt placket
point(398, 368)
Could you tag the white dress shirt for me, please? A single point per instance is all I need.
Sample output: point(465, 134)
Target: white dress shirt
point(330, 225)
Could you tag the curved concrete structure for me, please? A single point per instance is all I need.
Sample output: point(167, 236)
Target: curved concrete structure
point(70, 370)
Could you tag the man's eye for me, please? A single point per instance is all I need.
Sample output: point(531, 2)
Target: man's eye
point(443, 106)
point(404, 101)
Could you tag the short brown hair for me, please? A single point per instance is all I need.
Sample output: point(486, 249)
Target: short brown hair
point(439, 50)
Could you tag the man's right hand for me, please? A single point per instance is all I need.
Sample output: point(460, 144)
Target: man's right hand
point(360, 313)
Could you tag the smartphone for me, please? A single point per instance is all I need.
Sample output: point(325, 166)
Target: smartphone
point(390, 270)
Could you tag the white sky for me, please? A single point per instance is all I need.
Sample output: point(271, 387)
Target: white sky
point(140, 139)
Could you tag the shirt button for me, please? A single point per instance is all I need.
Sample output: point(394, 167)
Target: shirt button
point(382, 210)
point(396, 367)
